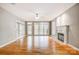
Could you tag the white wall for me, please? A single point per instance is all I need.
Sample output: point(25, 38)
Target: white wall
point(71, 18)
point(7, 27)
point(53, 28)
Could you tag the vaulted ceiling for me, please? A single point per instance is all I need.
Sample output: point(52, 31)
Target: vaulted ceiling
point(27, 11)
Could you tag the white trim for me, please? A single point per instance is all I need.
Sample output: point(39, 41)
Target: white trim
point(11, 41)
point(73, 47)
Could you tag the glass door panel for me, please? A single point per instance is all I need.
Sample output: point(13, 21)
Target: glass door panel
point(29, 28)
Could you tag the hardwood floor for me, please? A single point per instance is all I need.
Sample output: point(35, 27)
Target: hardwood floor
point(54, 48)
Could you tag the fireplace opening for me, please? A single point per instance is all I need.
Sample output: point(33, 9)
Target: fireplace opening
point(61, 37)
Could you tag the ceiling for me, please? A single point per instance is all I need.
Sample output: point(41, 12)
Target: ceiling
point(27, 11)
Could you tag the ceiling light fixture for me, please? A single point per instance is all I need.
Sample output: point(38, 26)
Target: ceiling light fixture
point(36, 16)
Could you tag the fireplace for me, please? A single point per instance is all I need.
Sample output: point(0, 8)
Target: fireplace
point(61, 37)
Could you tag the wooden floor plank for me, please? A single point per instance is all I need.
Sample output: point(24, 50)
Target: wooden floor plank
point(54, 48)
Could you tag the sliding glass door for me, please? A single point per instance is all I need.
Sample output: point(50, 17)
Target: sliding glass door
point(41, 32)
point(37, 34)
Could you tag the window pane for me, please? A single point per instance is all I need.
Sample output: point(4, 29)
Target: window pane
point(29, 29)
point(46, 28)
point(36, 28)
point(41, 28)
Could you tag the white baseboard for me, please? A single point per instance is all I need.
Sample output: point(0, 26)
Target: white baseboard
point(7, 43)
point(75, 48)
point(11, 41)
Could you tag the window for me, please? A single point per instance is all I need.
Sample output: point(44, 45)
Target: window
point(20, 29)
point(37, 34)
point(41, 28)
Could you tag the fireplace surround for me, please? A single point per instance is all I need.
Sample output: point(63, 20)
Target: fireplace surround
point(63, 33)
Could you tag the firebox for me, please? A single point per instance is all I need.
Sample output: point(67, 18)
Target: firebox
point(61, 37)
